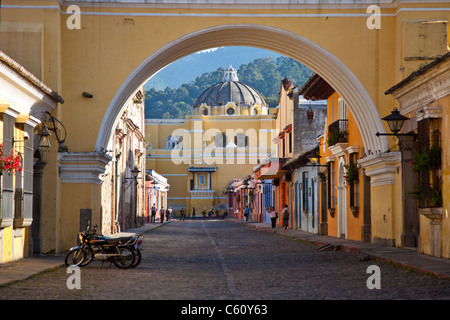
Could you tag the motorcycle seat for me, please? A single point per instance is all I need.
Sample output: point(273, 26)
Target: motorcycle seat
point(121, 237)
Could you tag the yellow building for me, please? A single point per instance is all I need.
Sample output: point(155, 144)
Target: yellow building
point(22, 95)
point(200, 155)
point(359, 49)
point(424, 98)
point(340, 149)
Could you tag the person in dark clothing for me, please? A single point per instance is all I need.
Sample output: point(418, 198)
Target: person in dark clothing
point(285, 215)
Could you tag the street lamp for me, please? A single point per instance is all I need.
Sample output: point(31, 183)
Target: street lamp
point(314, 160)
point(395, 122)
point(135, 172)
point(44, 141)
point(44, 133)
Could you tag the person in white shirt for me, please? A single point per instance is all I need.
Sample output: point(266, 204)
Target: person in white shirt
point(273, 216)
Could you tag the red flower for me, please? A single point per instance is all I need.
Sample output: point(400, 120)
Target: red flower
point(12, 163)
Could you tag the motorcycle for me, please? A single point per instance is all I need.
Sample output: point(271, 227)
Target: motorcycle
point(123, 250)
point(133, 241)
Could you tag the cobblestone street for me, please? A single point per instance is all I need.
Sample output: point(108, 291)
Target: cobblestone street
point(216, 260)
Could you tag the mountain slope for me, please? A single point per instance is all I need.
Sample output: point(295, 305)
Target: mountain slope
point(185, 70)
point(263, 74)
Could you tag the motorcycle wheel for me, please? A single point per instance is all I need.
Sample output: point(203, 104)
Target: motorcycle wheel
point(126, 258)
point(89, 256)
point(74, 257)
point(137, 258)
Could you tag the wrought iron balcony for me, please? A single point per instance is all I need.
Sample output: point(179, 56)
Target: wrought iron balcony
point(337, 132)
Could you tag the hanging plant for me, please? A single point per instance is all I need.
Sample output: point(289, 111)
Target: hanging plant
point(351, 175)
point(11, 163)
point(427, 160)
point(421, 161)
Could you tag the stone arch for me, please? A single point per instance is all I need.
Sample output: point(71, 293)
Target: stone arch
point(284, 42)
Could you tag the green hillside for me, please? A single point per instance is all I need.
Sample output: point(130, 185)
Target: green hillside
point(263, 74)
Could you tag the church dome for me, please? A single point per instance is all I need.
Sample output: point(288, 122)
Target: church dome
point(230, 90)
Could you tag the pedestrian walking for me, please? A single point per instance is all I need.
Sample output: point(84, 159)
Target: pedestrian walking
point(161, 214)
point(170, 212)
point(193, 212)
point(153, 216)
point(167, 215)
point(181, 214)
point(273, 216)
point(246, 213)
point(285, 214)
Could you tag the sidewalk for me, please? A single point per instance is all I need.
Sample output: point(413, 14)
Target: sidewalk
point(400, 257)
point(28, 267)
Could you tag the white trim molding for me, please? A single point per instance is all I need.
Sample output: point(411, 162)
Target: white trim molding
point(422, 91)
point(82, 167)
point(381, 168)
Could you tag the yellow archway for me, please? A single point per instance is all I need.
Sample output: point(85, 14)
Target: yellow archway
point(284, 42)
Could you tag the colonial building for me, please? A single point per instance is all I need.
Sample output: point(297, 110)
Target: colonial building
point(308, 126)
point(424, 98)
point(340, 148)
point(23, 98)
point(298, 123)
point(200, 155)
point(123, 184)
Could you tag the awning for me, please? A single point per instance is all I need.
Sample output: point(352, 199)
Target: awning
point(272, 169)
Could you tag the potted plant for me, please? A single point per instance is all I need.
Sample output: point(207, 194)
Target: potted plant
point(335, 136)
point(351, 175)
point(429, 199)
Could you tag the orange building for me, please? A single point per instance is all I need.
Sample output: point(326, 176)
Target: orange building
point(347, 193)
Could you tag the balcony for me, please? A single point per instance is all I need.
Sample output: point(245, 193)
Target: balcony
point(337, 138)
point(202, 194)
point(337, 132)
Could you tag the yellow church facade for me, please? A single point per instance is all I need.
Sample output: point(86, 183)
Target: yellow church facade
point(229, 134)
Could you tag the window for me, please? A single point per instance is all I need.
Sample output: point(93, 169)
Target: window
point(290, 142)
point(230, 111)
point(353, 187)
point(8, 179)
point(241, 140)
point(342, 109)
point(220, 140)
point(27, 164)
point(331, 185)
point(305, 201)
point(427, 164)
point(174, 142)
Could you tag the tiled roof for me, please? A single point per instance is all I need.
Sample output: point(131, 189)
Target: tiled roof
point(29, 76)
